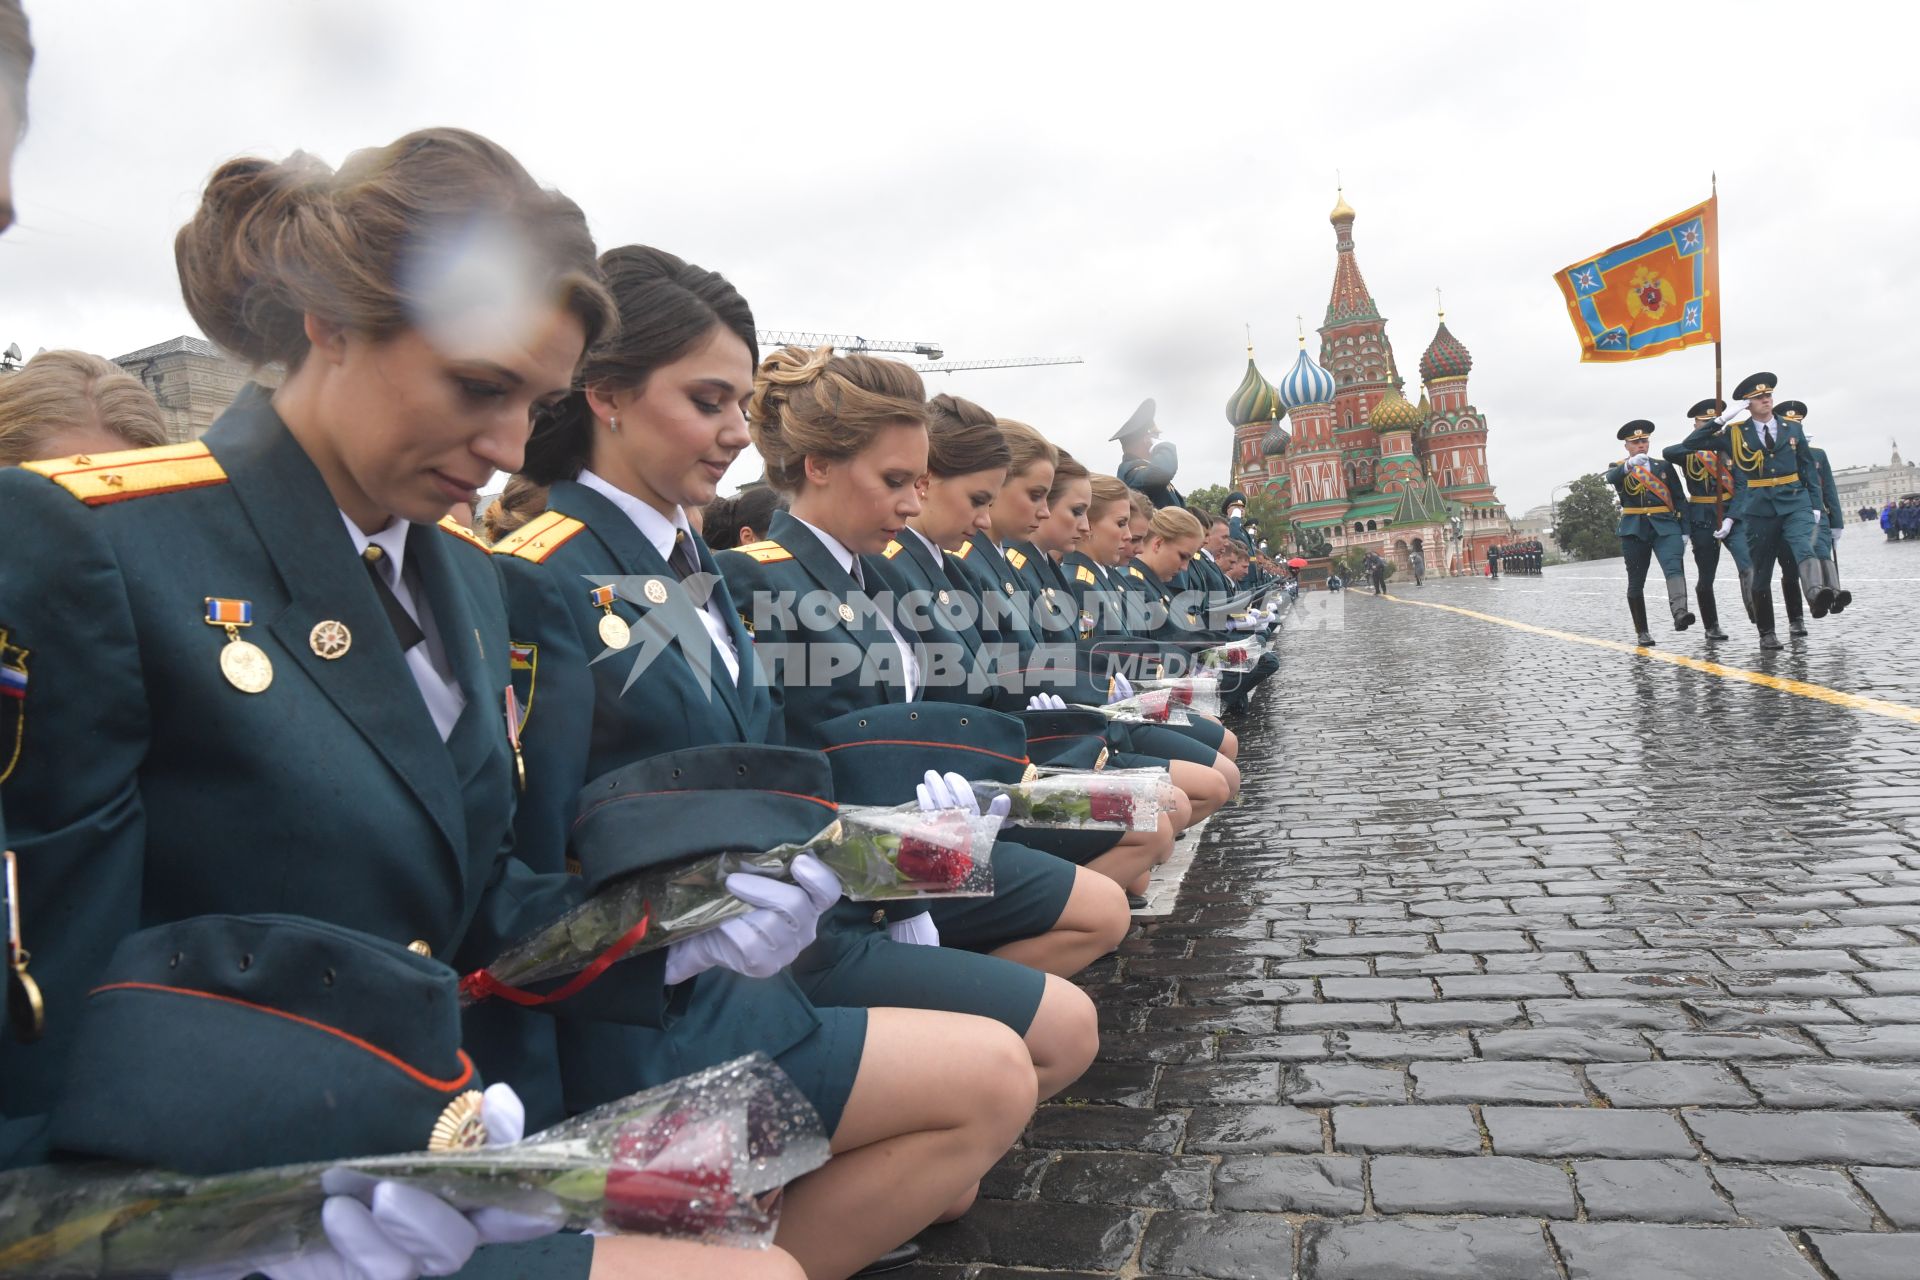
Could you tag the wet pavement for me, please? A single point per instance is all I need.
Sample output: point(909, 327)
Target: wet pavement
point(1521, 957)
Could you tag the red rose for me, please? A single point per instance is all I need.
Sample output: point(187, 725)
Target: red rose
point(1110, 806)
point(926, 861)
point(1156, 706)
point(1182, 694)
point(671, 1176)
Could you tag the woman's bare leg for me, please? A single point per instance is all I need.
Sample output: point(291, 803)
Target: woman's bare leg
point(1092, 925)
point(1063, 1037)
point(652, 1258)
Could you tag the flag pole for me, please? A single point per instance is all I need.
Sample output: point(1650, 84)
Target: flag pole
point(1714, 180)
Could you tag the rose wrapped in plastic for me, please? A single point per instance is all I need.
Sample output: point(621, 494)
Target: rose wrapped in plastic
point(880, 854)
point(1077, 800)
point(703, 1157)
point(1199, 695)
point(1240, 655)
point(1154, 706)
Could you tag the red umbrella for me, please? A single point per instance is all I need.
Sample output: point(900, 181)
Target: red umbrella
point(1296, 563)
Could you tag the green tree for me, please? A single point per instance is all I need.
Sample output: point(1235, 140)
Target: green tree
point(1585, 520)
point(1207, 498)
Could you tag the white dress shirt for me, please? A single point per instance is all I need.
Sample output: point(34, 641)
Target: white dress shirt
point(1766, 430)
point(848, 561)
point(428, 659)
point(660, 531)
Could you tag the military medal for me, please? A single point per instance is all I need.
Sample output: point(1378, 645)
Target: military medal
point(461, 1126)
point(656, 591)
point(614, 631)
point(26, 1013)
point(330, 640)
point(245, 665)
point(943, 598)
point(846, 612)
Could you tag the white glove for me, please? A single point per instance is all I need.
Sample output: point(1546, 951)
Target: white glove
point(1726, 527)
point(1118, 689)
point(915, 931)
point(1837, 531)
point(1046, 702)
point(952, 791)
point(1732, 414)
point(766, 939)
point(390, 1231)
point(1640, 460)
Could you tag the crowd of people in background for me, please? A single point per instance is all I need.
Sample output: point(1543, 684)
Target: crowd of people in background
point(1900, 521)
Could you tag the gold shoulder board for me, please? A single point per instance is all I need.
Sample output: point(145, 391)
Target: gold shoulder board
point(102, 478)
point(893, 549)
point(539, 537)
point(1085, 575)
point(460, 531)
point(1136, 573)
point(966, 549)
point(1017, 559)
point(766, 552)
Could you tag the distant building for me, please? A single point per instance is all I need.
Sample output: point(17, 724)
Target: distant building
point(1363, 467)
point(1876, 486)
point(1537, 523)
point(192, 380)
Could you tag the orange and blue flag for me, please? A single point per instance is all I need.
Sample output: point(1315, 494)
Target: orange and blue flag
point(1655, 293)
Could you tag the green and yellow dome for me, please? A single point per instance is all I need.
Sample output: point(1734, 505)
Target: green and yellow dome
point(1393, 413)
point(1255, 400)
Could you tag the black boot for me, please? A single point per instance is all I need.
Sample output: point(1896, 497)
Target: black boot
point(1677, 602)
point(1637, 606)
point(1746, 592)
point(1763, 619)
point(1709, 611)
point(1813, 585)
point(1841, 596)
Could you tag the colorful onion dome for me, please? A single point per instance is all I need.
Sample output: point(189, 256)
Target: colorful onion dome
point(1305, 383)
point(1446, 357)
point(1255, 400)
point(1393, 413)
point(1275, 441)
point(1342, 211)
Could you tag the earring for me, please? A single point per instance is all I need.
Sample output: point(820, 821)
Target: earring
point(613, 424)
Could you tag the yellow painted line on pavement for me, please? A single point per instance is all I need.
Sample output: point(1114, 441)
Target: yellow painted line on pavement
point(1800, 688)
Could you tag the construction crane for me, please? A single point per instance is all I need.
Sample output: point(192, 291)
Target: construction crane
point(1009, 362)
point(846, 342)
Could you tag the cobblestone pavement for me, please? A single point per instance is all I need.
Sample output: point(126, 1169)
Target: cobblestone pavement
point(1519, 958)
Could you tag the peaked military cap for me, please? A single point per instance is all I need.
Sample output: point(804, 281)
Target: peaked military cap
point(1638, 429)
point(673, 808)
point(1074, 737)
point(880, 754)
point(1234, 500)
point(1142, 420)
point(1755, 384)
point(1708, 408)
point(1791, 410)
point(219, 1043)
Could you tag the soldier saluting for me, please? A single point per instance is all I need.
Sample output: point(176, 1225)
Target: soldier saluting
point(1709, 486)
point(1147, 463)
point(1649, 527)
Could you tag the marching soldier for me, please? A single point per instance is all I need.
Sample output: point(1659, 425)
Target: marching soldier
point(1148, 463)
point(1649, 526)
point(1826, 504)
point(1709, 485)
point(1773, 473)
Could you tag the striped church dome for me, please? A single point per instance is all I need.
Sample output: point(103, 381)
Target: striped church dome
point(1255, 400)
point(1276, 440)
point(1393, 413)
point(1446, 357)
point(1305, 383)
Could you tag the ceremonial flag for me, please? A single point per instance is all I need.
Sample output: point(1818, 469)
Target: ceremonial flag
point(1655, 293)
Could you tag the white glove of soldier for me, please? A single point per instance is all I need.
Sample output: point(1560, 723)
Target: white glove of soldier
point(1818, 515)
point(1837, 531)
point(1640, 460)
point(1118, 689)
point(766, 939)
point(1732, 414)
point(915, 931)
point(1726, 527)
point(390, 1231)
point(954, 792)
point(1046, 702)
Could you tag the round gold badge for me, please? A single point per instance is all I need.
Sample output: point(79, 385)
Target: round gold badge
point(846, 612)
point(1101, 762)
point(460, 1127)
point(944, 599)
point(330, 639)
point(655, 591)
point(614, 631)
point(1008, 586)
point(245, 666)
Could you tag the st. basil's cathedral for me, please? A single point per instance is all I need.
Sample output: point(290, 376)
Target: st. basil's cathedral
point(1362, 466)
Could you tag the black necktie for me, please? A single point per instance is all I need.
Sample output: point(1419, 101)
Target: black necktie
point(682, 560)
point(404, 627)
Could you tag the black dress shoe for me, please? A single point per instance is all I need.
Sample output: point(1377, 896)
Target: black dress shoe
point(1136, 902)
point(892, 1260)
point(1770, 641)
point(1795, 627)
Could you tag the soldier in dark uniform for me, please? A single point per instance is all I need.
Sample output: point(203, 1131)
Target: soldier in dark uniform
point(1493, 562)
point(1709, 490)
point(1147, 463)
point(1827, 513)
point(1650, 497)
point(1773, 475)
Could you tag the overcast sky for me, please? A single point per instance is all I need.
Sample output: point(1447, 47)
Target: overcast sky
point(1129, 184)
